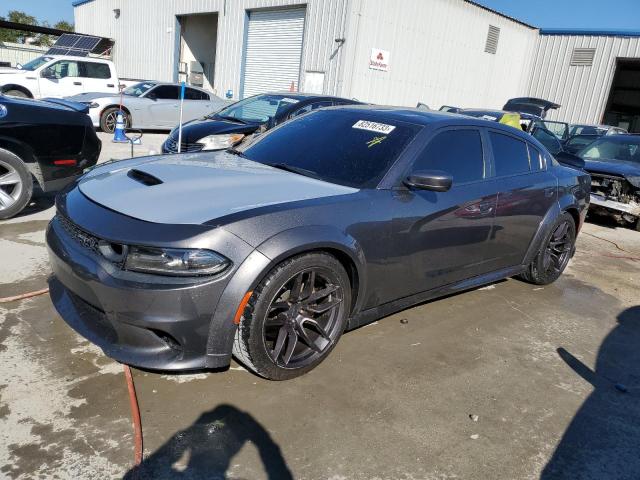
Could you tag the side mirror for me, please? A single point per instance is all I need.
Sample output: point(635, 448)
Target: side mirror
point(569, 159)
point(48, 73)
point(435, 180)
point(151, 96)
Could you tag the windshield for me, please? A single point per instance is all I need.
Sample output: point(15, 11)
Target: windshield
point(625, 148)
point(138, 89)
point(349, 148)
point(35, 63)
point(258, 109)
point(559, 129)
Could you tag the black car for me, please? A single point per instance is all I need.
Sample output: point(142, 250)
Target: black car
point(242, 120)
point(575, 143)
point(614, 164)
point(325, 223)
point(44, 144)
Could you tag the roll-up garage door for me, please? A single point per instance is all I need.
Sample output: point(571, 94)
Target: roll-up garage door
point(273, 50)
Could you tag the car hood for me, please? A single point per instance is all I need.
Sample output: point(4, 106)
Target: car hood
point(5, 70)
point(629, 170)
point(197, 188)
point(196, 129)
point(91, 96)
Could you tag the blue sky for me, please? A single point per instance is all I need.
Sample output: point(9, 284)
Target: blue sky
point(591, 14)
point(594, 14)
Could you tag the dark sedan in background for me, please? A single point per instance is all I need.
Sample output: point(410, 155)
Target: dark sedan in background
point(43, 143)
point(242, 120)
point(325, 223)
point(614, 164)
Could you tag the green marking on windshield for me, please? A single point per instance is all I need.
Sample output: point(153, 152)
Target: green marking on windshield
point(375, 141)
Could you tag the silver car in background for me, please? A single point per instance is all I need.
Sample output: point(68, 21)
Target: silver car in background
point(149, 105)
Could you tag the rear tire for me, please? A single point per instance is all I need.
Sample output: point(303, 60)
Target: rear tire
point(16, 93)
point(109, 117)
point(295, 317)
point(554, 254)
point(16, 185)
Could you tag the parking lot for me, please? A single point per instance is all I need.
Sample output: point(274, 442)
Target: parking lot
point(506, 381)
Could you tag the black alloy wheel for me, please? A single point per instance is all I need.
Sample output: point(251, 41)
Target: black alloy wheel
point(295, 317)
point(554, 254)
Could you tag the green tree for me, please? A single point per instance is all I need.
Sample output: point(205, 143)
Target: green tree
point(16, 16)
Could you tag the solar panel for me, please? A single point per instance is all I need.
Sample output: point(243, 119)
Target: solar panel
point(73, 44)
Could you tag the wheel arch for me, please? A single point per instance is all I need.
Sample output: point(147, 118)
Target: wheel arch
point(24, 153)
point(14, 86)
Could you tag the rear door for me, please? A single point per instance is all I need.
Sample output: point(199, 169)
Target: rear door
point(97, 77)
point(527, 190)
point(196, 104)
point(441, 237)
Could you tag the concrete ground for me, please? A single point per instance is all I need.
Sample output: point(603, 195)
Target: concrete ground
point(510, 381)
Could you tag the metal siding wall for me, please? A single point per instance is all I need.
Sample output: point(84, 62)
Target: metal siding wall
point(15, 53)
point(436, 54)
point(582, 91)
point(145, 35)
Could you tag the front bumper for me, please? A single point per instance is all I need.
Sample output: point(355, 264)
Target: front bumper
point(157, 323)
point(632, 209)
point(150, 321)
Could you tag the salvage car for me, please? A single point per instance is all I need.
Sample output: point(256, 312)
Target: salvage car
point(614, 164)
point(43, 144)
point(243, 120)
point(327, 222)
point(149, 105)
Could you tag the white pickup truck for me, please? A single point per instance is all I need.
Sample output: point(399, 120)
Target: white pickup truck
point(59, 76)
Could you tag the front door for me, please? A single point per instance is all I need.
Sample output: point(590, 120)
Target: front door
point(61, 79)
point(164, 108)
point(441, 237)
point(527, 192)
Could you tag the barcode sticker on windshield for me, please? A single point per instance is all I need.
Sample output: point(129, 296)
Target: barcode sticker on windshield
point(373, 126)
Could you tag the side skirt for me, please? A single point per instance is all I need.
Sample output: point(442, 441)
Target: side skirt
point(375, 313)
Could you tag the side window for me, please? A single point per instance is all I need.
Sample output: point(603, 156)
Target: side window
point(94, 70)
point(63, 69)
point(166, 92)
point(535, 158)
point(457, 152)
point(311, 106)
point(548, 139)
point(193, 94)
point(509, 154)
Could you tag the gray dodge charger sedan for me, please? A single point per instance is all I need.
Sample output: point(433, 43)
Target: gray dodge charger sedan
point(325, 223)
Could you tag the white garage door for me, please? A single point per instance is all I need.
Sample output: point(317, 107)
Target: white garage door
point(273, 50)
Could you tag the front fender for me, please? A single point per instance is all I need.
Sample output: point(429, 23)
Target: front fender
point(320, 237)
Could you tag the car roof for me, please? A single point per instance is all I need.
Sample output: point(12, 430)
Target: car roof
point(76, 57)
point(433, 118)
point(309, 96)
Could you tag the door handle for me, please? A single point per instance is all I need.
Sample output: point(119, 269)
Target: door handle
point(110, 85)
point(77, 83)
point(549, 191)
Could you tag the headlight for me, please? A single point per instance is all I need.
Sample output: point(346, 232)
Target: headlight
point(175, 261)
point(94, 105)
point(220, 142)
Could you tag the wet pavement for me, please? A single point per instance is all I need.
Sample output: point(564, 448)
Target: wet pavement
point(510, 381)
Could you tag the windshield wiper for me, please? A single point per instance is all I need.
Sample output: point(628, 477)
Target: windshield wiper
point(235, 151)
point(289, 168)
point(233, 119)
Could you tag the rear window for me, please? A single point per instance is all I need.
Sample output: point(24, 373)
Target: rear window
point(355, 149)
point(94, 70)
point(510, 155)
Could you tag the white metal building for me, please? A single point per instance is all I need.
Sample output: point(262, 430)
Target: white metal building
point(400, 52)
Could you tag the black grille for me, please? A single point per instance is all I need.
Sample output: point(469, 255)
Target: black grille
point(171, 145)
point(80, 236)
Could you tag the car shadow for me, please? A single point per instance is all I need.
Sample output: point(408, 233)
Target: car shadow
point(603, 439)
point(38, 204)
point(204, 450)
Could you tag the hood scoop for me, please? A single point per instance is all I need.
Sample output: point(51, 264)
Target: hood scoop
point(143, 177)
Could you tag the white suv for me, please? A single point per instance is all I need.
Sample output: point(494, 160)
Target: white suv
point(59, 76)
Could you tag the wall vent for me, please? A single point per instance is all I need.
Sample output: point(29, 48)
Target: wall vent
point(492, 40)
point(582, 57)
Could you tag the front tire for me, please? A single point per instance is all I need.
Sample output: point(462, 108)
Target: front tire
point(294, 317)
point(554, 253)
point(16, 185)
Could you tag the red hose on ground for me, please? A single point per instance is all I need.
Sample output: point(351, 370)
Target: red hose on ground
point(23, 296)
point(135, 414)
